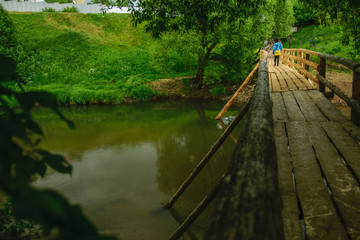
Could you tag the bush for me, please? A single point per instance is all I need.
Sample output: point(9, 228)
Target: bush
point(141, 93)
point(46, 9)
point(8, 35)
point(218, 90)
point(70, 9)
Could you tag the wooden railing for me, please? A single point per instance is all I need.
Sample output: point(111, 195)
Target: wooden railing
point(301, 60)
point(248, 205)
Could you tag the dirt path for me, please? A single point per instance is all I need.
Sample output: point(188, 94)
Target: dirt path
point(344, 82)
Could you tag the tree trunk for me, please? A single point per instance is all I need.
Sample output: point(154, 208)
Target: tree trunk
point(203, 60)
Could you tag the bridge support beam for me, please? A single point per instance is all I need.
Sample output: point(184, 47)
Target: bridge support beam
point(355, 116)
point(249, 205)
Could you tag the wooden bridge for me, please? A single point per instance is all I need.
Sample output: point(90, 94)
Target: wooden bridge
point(295, 171)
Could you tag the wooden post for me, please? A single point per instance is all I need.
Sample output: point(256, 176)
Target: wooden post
point(307, 57)
point(322, 70)
point(197, 211)
point(355, 116)
point(232, 99)
point(249, 202)
point(207, 157)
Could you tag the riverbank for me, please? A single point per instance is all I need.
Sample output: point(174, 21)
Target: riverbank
point(177, 88)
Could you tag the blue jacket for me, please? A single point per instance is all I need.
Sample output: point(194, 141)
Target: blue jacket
point(277, 46)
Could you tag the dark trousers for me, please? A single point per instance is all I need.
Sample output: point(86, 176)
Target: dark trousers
point(277, 59)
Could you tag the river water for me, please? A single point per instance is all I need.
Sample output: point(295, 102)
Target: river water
point(128, 161)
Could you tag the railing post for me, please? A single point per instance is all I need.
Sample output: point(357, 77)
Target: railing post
point(307, 57)
point(322, 71)
point(355, 117)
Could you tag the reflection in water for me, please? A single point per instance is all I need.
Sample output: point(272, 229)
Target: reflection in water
point(129, 160)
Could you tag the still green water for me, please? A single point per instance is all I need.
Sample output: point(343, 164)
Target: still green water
point(129, 160)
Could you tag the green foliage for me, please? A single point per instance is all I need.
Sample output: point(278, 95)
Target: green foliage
point(141, 92)
point(347, 14)
point(12, 227)
point(205, 18)
point(284, 18)
point(175, 53)
point(70, 9)
point(21, 159)
point(59, 1)
point(48, 9)
point(304, 15)
point(8, 35)
point(218, 90)
point(321, 38)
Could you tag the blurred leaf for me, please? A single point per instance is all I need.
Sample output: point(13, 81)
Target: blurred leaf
point(7, 68)
point(26, 167)
point(55, 161)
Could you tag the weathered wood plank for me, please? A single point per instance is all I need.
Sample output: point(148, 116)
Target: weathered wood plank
point(330, 111)
point(321, 219)
point(292, 107)
point(344, 187)
point(279, 110)
point(352, 130)
point(308, 108)
point(346, 145)
point(275, 85)
point(292, 77)
point(290, 210)
point(249, 203)
point(281, 79)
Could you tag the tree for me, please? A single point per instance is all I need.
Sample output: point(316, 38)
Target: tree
point(284, 18)
point(207, 18)
point(348, 14)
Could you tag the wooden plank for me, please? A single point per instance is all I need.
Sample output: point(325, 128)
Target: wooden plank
point(330, 111)
point(321, 219)
point(303, 79)
point(298, 85)
point(308, 108)
point(279, 110)
point(275, 85)
point(344, 187)
point(346, 145)
point(282, 81)
point(352, 130)
point(290, 211)
point(292, 107)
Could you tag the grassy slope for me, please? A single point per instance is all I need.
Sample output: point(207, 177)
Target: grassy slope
point(86, 57)
point(325, 39)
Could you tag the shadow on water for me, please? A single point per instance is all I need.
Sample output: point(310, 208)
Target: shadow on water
point(129, 160)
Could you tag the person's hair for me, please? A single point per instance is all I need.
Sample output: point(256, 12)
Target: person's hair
point(276, 39)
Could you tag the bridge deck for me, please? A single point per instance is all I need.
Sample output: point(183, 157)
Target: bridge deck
point(318, 156)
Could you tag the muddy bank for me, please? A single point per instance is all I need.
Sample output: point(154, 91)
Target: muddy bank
point(176, 89)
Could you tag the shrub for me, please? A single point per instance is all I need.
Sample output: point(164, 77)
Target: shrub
point(218, 90)
point(46, 9)
point(141, 92)
point(70, 9)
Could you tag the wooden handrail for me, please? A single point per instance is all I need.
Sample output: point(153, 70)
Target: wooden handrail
point(295, 58)
point(248, 205)
point(263, 54)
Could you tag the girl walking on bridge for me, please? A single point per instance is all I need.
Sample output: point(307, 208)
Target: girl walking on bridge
point(277, 51)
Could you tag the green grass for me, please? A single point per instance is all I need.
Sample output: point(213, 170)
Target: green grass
point(326, 39)
point(89, 58)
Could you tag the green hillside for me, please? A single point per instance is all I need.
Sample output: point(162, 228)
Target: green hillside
point(321, 38)
point(86, 58)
